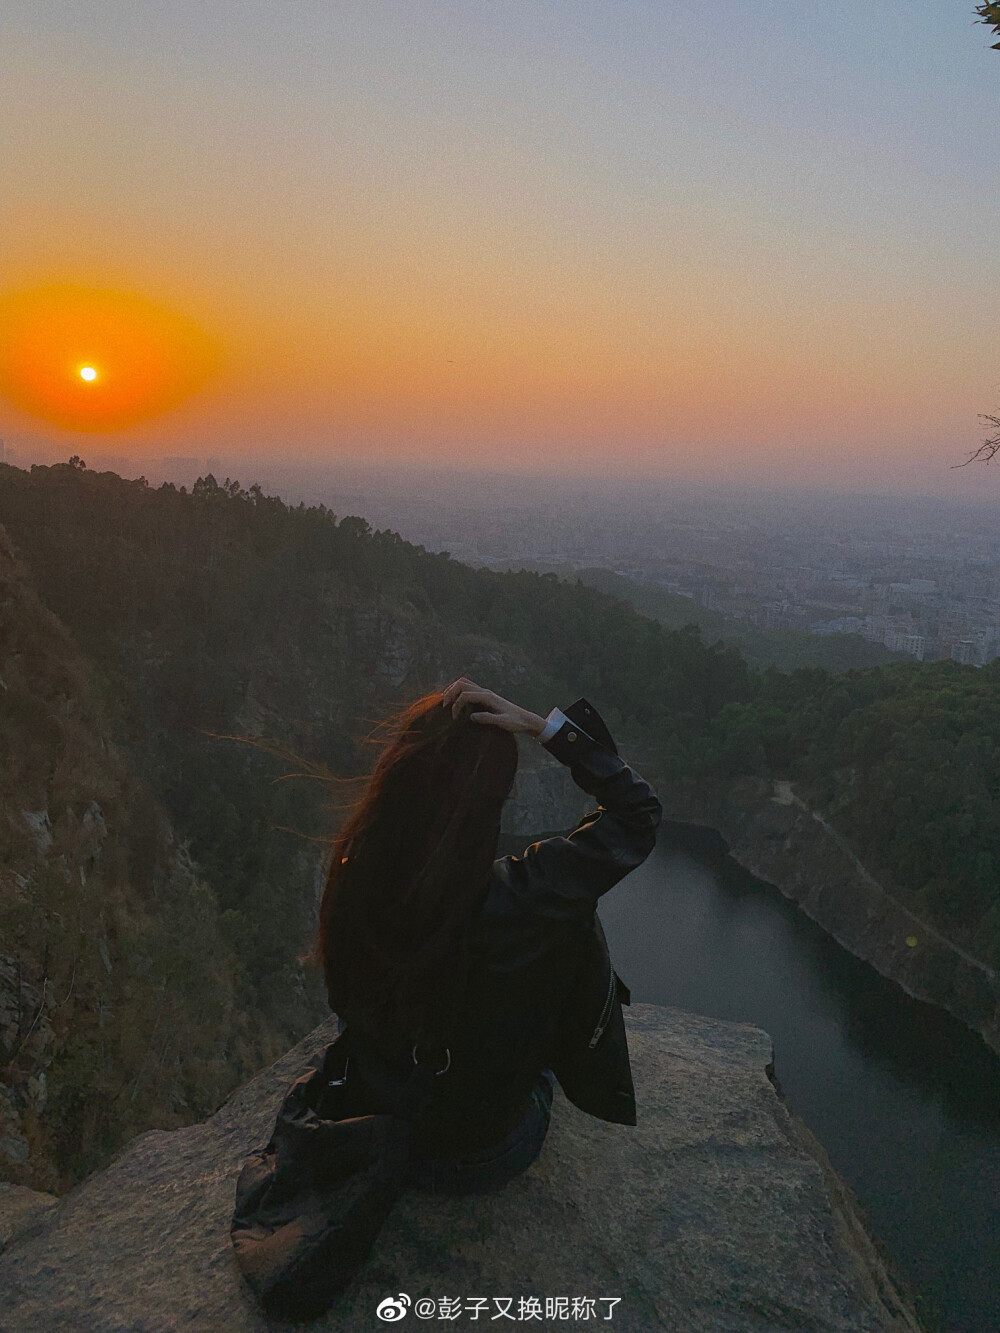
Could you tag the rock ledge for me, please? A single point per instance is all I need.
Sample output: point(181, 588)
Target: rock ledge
point(717, 1213)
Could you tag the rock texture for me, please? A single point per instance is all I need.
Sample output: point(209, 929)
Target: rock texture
point(20, 1207)
point(716, 1212)
point(768, 829)
point(544, 797)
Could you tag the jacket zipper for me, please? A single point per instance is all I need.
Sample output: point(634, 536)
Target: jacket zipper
point(605, 1012)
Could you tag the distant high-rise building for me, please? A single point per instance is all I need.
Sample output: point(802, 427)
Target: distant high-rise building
point(874, 629)
point(964, 651)
point(990, 644)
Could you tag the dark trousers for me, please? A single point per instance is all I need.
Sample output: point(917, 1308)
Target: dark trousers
point(491, 1169)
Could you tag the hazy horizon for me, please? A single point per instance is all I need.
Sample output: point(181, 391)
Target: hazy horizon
point(285, 475)
point(537, 237)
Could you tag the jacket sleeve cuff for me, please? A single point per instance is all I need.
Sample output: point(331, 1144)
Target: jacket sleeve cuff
point(553, 722)
point(575, 747)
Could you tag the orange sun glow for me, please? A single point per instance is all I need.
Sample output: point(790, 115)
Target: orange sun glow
point(91, 359)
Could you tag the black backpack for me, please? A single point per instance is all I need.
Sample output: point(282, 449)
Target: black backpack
point(310, 1205)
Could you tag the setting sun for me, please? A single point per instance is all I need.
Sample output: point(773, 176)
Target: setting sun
point(151, 358)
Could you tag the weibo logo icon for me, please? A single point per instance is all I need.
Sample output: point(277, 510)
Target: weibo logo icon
point(393, 1308)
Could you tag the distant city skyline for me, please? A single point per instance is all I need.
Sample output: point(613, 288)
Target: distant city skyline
point(918, 575)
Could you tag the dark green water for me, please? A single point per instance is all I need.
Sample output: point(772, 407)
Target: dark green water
point(903, 1097)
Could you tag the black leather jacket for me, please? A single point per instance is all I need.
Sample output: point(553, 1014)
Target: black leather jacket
point(544, 992)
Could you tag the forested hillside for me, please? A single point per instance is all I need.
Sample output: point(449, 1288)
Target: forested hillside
point(116, 977)
point(199, 617)
point(786, 649)
point(905, 761)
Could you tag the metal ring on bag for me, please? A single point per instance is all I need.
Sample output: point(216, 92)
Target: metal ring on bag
point(336, 1082)
point(437, 1071)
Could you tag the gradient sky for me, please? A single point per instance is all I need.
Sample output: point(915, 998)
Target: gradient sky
point(657, 236)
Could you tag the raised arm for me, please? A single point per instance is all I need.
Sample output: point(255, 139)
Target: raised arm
point(563, 877)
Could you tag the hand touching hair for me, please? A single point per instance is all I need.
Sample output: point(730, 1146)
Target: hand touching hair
point(489, 709)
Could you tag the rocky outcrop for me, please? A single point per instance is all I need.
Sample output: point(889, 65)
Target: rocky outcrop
point(717, 1212)
point(771, 832)
point(544, 795)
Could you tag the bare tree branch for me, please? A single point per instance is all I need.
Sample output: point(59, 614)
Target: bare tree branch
point(989, 448)
point(22, 1042)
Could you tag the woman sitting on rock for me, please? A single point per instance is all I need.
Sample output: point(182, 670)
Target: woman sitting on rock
point(494, 973)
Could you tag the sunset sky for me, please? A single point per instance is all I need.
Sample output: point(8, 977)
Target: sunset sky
point(663, 237)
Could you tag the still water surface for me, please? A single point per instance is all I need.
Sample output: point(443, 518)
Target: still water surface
point(905, 1100)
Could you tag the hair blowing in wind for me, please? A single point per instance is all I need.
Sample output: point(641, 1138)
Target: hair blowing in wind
point(409, 870)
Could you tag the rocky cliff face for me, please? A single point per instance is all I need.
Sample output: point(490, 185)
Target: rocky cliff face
point(544, 799)
point(111, 969)
point(716, 1212)
point(775, 836)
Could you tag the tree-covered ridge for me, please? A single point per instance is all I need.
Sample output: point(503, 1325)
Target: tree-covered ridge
point(905, 761)
point(786, 649)
point(125, 565)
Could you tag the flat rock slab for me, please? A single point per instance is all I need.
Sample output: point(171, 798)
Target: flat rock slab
point(714, 1213)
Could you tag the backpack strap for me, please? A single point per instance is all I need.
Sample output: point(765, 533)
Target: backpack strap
point(418, 1070)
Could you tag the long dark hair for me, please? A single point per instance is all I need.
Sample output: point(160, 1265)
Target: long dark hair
point(409, 870)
